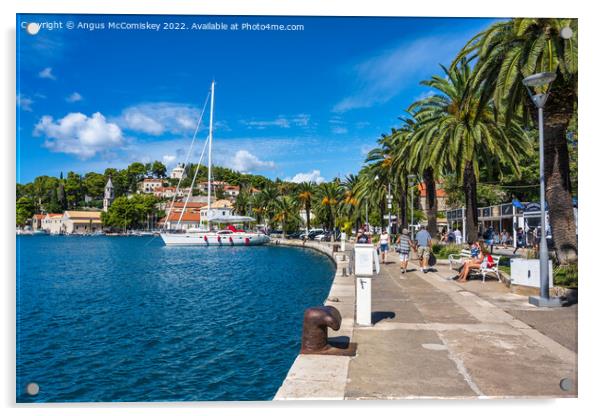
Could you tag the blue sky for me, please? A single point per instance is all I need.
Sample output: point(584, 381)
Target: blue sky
point(304, 104)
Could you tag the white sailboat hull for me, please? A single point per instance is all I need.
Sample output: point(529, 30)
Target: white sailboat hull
point(213, 239)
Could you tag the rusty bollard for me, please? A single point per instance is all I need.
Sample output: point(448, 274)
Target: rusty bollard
point(314, 339)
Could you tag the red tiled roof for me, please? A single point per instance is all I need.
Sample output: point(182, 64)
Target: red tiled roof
point(439, 191)
point(38, 216)
point(51, 215)
point(188, 216)
point(180, 204)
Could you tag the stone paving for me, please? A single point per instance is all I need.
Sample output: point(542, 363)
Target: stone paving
point(435, 338)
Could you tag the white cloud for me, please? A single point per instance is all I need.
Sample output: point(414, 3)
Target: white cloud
point(24, 102)
point(285, 122)
point(169, 159)
point(159, 118)
point(245, 161)
point(74, 97)
point(79, 135)
point(313, 176)
point(381, 77)
point(339, 130)
point(46, 73)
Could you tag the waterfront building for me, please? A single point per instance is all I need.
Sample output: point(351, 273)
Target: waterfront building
point(204, 186)
point(51, 223)
point(109, 195)
point(81, 222)
point(219, 208)
point(36, 222)
point(232, 190)
point(148, 185)
point(178, 172)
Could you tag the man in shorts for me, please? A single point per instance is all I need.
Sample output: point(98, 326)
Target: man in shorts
point(404, 244)
point(424, 242)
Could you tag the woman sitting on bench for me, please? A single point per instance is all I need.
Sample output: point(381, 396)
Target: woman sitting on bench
point(474, 262)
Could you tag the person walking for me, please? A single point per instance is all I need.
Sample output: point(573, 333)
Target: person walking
point(424, 243)
point(404, 245)
point(520, 239)
point(385, 241)
point(458, 235)
point(488, 237)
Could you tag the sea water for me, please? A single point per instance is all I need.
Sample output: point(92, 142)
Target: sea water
point(129, 319)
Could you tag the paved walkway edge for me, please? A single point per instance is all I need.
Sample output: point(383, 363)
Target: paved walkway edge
point(320, 377)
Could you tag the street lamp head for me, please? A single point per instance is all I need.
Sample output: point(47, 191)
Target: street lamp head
point(411, 176)
point(539, 80)
point(542, 80)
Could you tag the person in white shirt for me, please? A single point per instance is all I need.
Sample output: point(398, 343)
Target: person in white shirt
point(385, 241)
point(458, 234)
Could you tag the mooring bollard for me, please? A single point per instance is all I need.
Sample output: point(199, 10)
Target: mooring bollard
point(314, 339)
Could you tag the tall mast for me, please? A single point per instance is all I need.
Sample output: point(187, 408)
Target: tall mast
point(209, 157)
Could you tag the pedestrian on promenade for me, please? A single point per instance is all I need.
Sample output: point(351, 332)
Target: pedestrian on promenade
point(489, 236)
point(520, 240)
point(384, 242)
point(424, 243)
point(404, 244)
point(362, 237)
point(458, 235)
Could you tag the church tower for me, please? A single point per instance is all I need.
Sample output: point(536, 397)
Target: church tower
point(109, 195)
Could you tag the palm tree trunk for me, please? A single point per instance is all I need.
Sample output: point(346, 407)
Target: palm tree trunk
point(558, 112)
point(381, 208)
point(431, 201)
point(307, 215)
point(470, 194)
point(558, 193)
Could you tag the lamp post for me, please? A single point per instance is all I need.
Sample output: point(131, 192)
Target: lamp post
point(542, 82)
point(389, 206)
point(411, 178)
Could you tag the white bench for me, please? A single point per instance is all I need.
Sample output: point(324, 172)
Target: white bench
point(460, 259)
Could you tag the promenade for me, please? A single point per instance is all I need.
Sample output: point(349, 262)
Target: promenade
point(436, 338)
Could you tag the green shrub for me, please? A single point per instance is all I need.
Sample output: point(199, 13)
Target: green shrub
point(443, 251)
point(566, 276)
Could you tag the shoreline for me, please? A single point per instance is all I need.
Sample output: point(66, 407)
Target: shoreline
point(315, 377)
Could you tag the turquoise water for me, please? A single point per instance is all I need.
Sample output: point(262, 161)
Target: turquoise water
point(128, 319)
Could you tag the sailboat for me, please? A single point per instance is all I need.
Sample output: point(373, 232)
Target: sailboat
point(205, 234)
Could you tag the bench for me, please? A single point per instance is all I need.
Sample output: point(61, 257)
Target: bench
point(484, 270)
point(459, 259)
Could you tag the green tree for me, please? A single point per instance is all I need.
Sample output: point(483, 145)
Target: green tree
point(158, 169)
point(74, 189)
point(505, 53)
point(94, 184)
point(286, 211)
point(129, 213)
point(457, 137)
point(305, 195)
point(24, 210)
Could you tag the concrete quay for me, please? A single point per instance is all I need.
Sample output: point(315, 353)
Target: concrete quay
point(434, 338)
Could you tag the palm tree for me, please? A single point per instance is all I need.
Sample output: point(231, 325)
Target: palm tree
point(305, 194)
point(242, 202)
point(453, 135)
point(350, 207)
point(285, 209)
point(330, 196)
point(508, 51)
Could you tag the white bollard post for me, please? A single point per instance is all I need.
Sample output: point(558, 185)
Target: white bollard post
point(343, 238)
point(364, 301)
point(364, 269)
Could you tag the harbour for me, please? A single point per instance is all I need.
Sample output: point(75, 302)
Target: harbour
point(108, 319)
